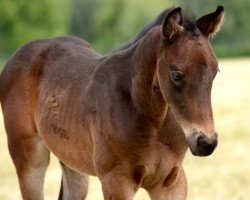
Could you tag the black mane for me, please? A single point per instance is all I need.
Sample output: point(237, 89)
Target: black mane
point(188, 22)
point(146, 29)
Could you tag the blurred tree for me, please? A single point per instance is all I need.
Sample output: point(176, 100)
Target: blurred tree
point(107, 24)
point(81, 21)
point(25, 20)
point(130, 16)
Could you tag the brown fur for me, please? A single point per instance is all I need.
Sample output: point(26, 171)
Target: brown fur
point(110, 116)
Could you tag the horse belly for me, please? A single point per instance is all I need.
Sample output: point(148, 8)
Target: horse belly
point(65, 134)
point(74, 150)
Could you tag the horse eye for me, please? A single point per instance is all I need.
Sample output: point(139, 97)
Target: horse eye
point(176, 76)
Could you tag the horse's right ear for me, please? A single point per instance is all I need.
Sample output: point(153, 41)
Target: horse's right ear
point(172, 24)
point(210, 24)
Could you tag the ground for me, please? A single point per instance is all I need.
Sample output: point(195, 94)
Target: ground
point(223, 175)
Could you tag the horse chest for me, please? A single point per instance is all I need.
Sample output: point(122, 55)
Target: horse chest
point(150, 165)
point(163, 157)
point(162, 166)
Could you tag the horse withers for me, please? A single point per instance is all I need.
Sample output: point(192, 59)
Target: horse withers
point(127, 118)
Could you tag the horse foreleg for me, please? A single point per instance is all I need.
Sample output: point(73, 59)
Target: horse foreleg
point(74, 185)
point(171, 189)
point(120, 184)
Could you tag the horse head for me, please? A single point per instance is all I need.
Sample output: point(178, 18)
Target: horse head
point(186, 68)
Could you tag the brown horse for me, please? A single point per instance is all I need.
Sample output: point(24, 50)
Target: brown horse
point(127, 118)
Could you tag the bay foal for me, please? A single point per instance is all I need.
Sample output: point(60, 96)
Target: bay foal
point(127, 118)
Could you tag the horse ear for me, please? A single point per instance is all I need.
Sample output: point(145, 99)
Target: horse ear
point(172, 24)
point(210, 24)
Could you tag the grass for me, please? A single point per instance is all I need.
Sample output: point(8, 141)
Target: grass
point(223, 175)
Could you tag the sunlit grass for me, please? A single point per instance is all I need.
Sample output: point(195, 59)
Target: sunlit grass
point(225, 175)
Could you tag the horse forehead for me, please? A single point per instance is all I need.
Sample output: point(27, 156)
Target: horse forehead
point(198, 52)
point(195, 45)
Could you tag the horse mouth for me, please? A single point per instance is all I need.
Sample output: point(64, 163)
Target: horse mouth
point(202, 152)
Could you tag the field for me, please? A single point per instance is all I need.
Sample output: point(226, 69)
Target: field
point(225, 175)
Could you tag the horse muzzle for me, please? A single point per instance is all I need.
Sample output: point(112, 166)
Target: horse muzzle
point(200, 145)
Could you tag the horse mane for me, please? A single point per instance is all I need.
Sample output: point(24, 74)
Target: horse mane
point(146, 29)
point(188, 21)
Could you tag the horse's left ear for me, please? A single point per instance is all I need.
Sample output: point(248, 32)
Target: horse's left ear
point(210, 24)
point(172, 24)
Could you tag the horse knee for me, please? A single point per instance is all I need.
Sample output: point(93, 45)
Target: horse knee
point(174, 186)
point(119, 186)
point(116, 192)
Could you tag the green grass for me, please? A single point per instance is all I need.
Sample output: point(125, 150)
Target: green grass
point(225, 175)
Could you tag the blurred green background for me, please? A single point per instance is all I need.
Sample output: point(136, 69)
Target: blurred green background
point(107, 24)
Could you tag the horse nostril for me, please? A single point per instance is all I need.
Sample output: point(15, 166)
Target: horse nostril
point(200, 141)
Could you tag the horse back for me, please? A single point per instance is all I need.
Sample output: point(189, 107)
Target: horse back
point(30, 61)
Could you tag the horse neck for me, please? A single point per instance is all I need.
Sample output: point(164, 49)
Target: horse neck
point(145, 93)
